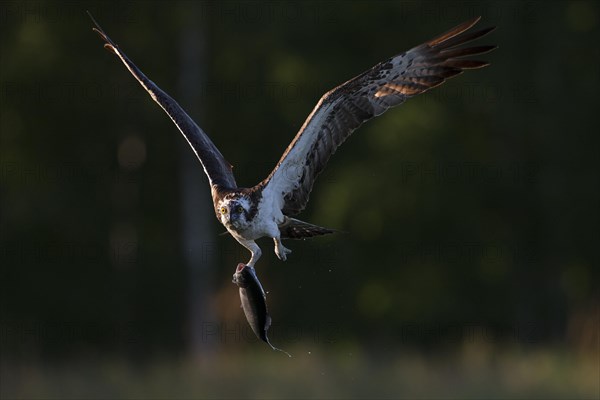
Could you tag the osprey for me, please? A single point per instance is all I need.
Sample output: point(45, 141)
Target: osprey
point(267, 208)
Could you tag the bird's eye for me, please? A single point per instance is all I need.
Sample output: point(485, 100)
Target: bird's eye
point(223, 210)
point(240, 209)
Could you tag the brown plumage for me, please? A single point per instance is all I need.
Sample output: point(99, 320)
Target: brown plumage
point(266, 208)
point(340, 111)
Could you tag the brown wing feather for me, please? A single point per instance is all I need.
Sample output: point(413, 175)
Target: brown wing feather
point(343, 109)
point(218, 170)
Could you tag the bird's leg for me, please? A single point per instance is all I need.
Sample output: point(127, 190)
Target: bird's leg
point(254, 249)
point(280, 249)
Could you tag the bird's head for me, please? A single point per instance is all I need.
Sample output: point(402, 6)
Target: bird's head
point(234, 211)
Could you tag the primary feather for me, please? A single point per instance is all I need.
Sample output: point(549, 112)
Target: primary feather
point(265, 209)
point(340, 111)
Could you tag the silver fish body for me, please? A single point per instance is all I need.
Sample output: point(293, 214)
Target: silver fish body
point(254, 302)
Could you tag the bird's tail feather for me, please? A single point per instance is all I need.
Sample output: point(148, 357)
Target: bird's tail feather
point(293, 228)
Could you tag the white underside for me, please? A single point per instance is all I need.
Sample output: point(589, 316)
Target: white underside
point(264, 224)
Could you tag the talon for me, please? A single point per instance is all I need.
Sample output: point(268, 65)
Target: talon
point(282, 252)
point(280, 249)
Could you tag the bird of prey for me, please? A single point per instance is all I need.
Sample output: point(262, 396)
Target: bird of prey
point(266, 210)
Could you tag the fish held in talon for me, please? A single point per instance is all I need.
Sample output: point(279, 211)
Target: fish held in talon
point(254, 302)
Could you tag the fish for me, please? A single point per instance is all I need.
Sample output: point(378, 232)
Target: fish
point(254, 302)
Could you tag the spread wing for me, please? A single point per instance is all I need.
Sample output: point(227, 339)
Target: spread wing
point(340, 111)
point(215, 166)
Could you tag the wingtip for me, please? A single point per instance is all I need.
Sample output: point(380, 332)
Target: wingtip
point(487, 30)
point(449, 36)
point(100, 33)
point(474, 64)
point(473, 21)
point(110, 45)
point(457, 30)
point(110, 48)
point(488, 48)
point(97, 28)
point(468, 24)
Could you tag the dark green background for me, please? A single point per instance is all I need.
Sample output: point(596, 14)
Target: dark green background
point(469, 214)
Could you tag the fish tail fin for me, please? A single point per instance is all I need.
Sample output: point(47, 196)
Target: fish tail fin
point(278, 349)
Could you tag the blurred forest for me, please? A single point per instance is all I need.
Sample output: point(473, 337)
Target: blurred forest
point(468, 259)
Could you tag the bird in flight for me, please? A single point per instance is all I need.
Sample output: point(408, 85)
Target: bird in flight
point(267, 209)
